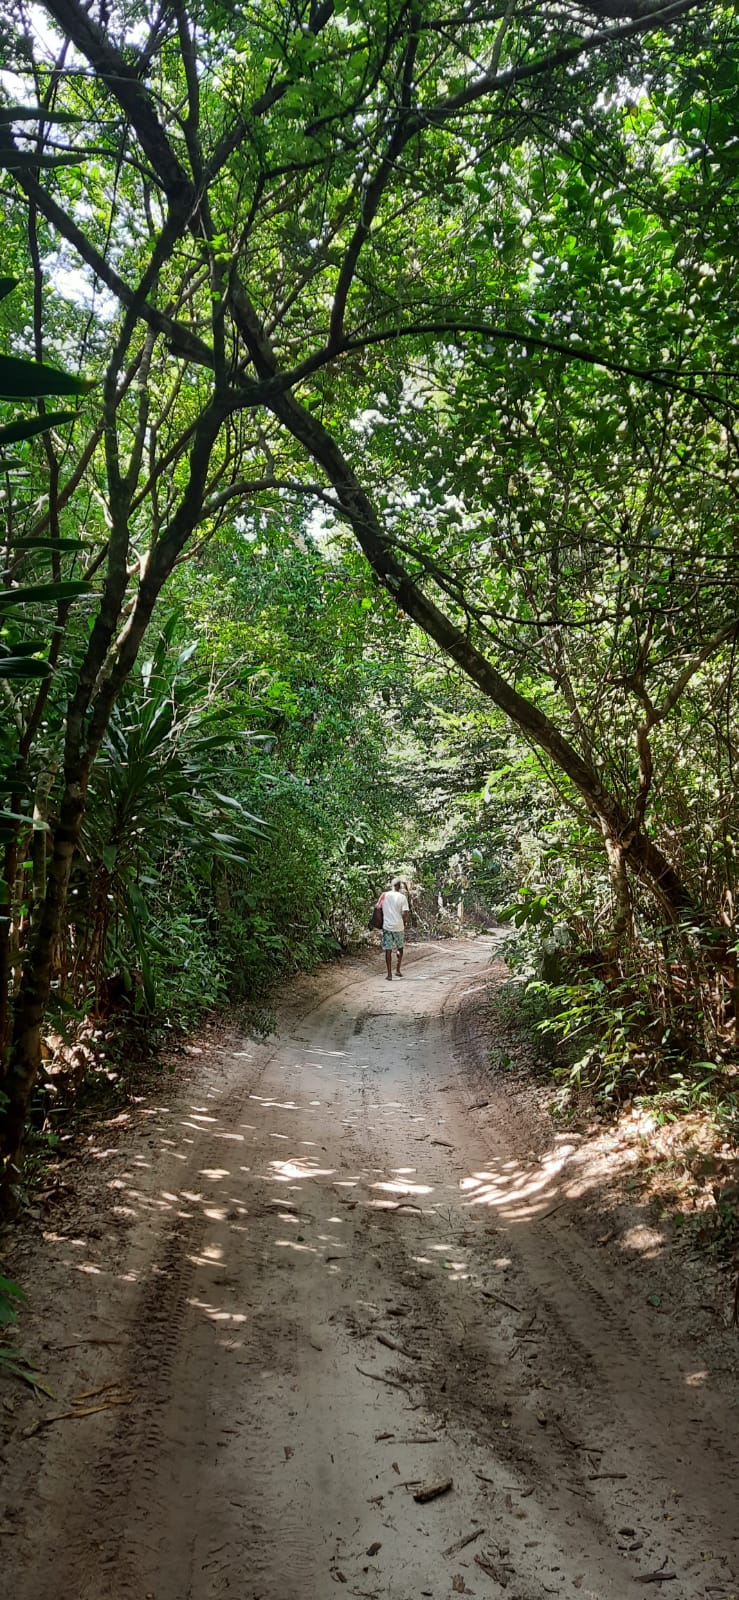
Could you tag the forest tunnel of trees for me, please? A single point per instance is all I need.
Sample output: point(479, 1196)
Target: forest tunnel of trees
point(370, 477)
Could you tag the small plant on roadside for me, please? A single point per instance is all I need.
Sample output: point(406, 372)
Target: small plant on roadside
point(12, 1363)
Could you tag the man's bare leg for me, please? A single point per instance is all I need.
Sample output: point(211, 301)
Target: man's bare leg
point(389, 965)
point(398, 964)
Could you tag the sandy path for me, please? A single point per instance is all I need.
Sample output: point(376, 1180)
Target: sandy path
point(334, 1276)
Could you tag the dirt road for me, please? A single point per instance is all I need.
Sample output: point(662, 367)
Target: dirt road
point(337, 1269)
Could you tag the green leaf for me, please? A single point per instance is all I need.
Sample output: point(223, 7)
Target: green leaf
point(23, 667)
point(17, 1366)
point(26, 594)
point(9, 114)
point(47, 544)
point(28, 380)
point(10, 1290)
point(7, 285)
point(13, 432)
point(29, 160)
point(28, 647)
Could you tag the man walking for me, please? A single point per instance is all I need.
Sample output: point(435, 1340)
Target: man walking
point(395, 918)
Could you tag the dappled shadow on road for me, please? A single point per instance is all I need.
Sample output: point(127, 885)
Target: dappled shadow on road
point(333, 1144)
point(320, 1237)
point(258, 1189)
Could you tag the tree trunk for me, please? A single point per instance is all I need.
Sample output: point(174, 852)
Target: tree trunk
point(33, 995)
point(10, 867)
point(623, 922)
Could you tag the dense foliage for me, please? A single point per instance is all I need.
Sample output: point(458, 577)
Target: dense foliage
point(456, 289)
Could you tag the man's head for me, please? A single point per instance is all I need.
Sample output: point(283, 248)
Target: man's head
point(397, 883)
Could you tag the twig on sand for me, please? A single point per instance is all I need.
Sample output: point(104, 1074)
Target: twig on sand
point(490, 1294)
point(576, 1444)
point(80, 1411)
point(392, 1344)
point(423, 1438)
point(431, 1491)
point(459, 1544)
point(494, 1570)
point(92, 1340)
point(394, 1383)
point(92, 1394)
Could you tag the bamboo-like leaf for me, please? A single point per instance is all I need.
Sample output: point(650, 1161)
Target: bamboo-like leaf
point(47, 544)
point(27, 428)
point(30, 160)
point(17, 1366)
point(28, 593)
point(10, 114)
point(23, 667)
point(28, 380)
point(28, 648)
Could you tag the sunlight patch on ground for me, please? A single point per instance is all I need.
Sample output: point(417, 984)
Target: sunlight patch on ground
point(284, 1170)
point(512, 1186)
point(274, 1105)
point(215, 1314)
point(148, 1201)
point(644, 1241)
point(210, 1256)
point(404, 1188)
